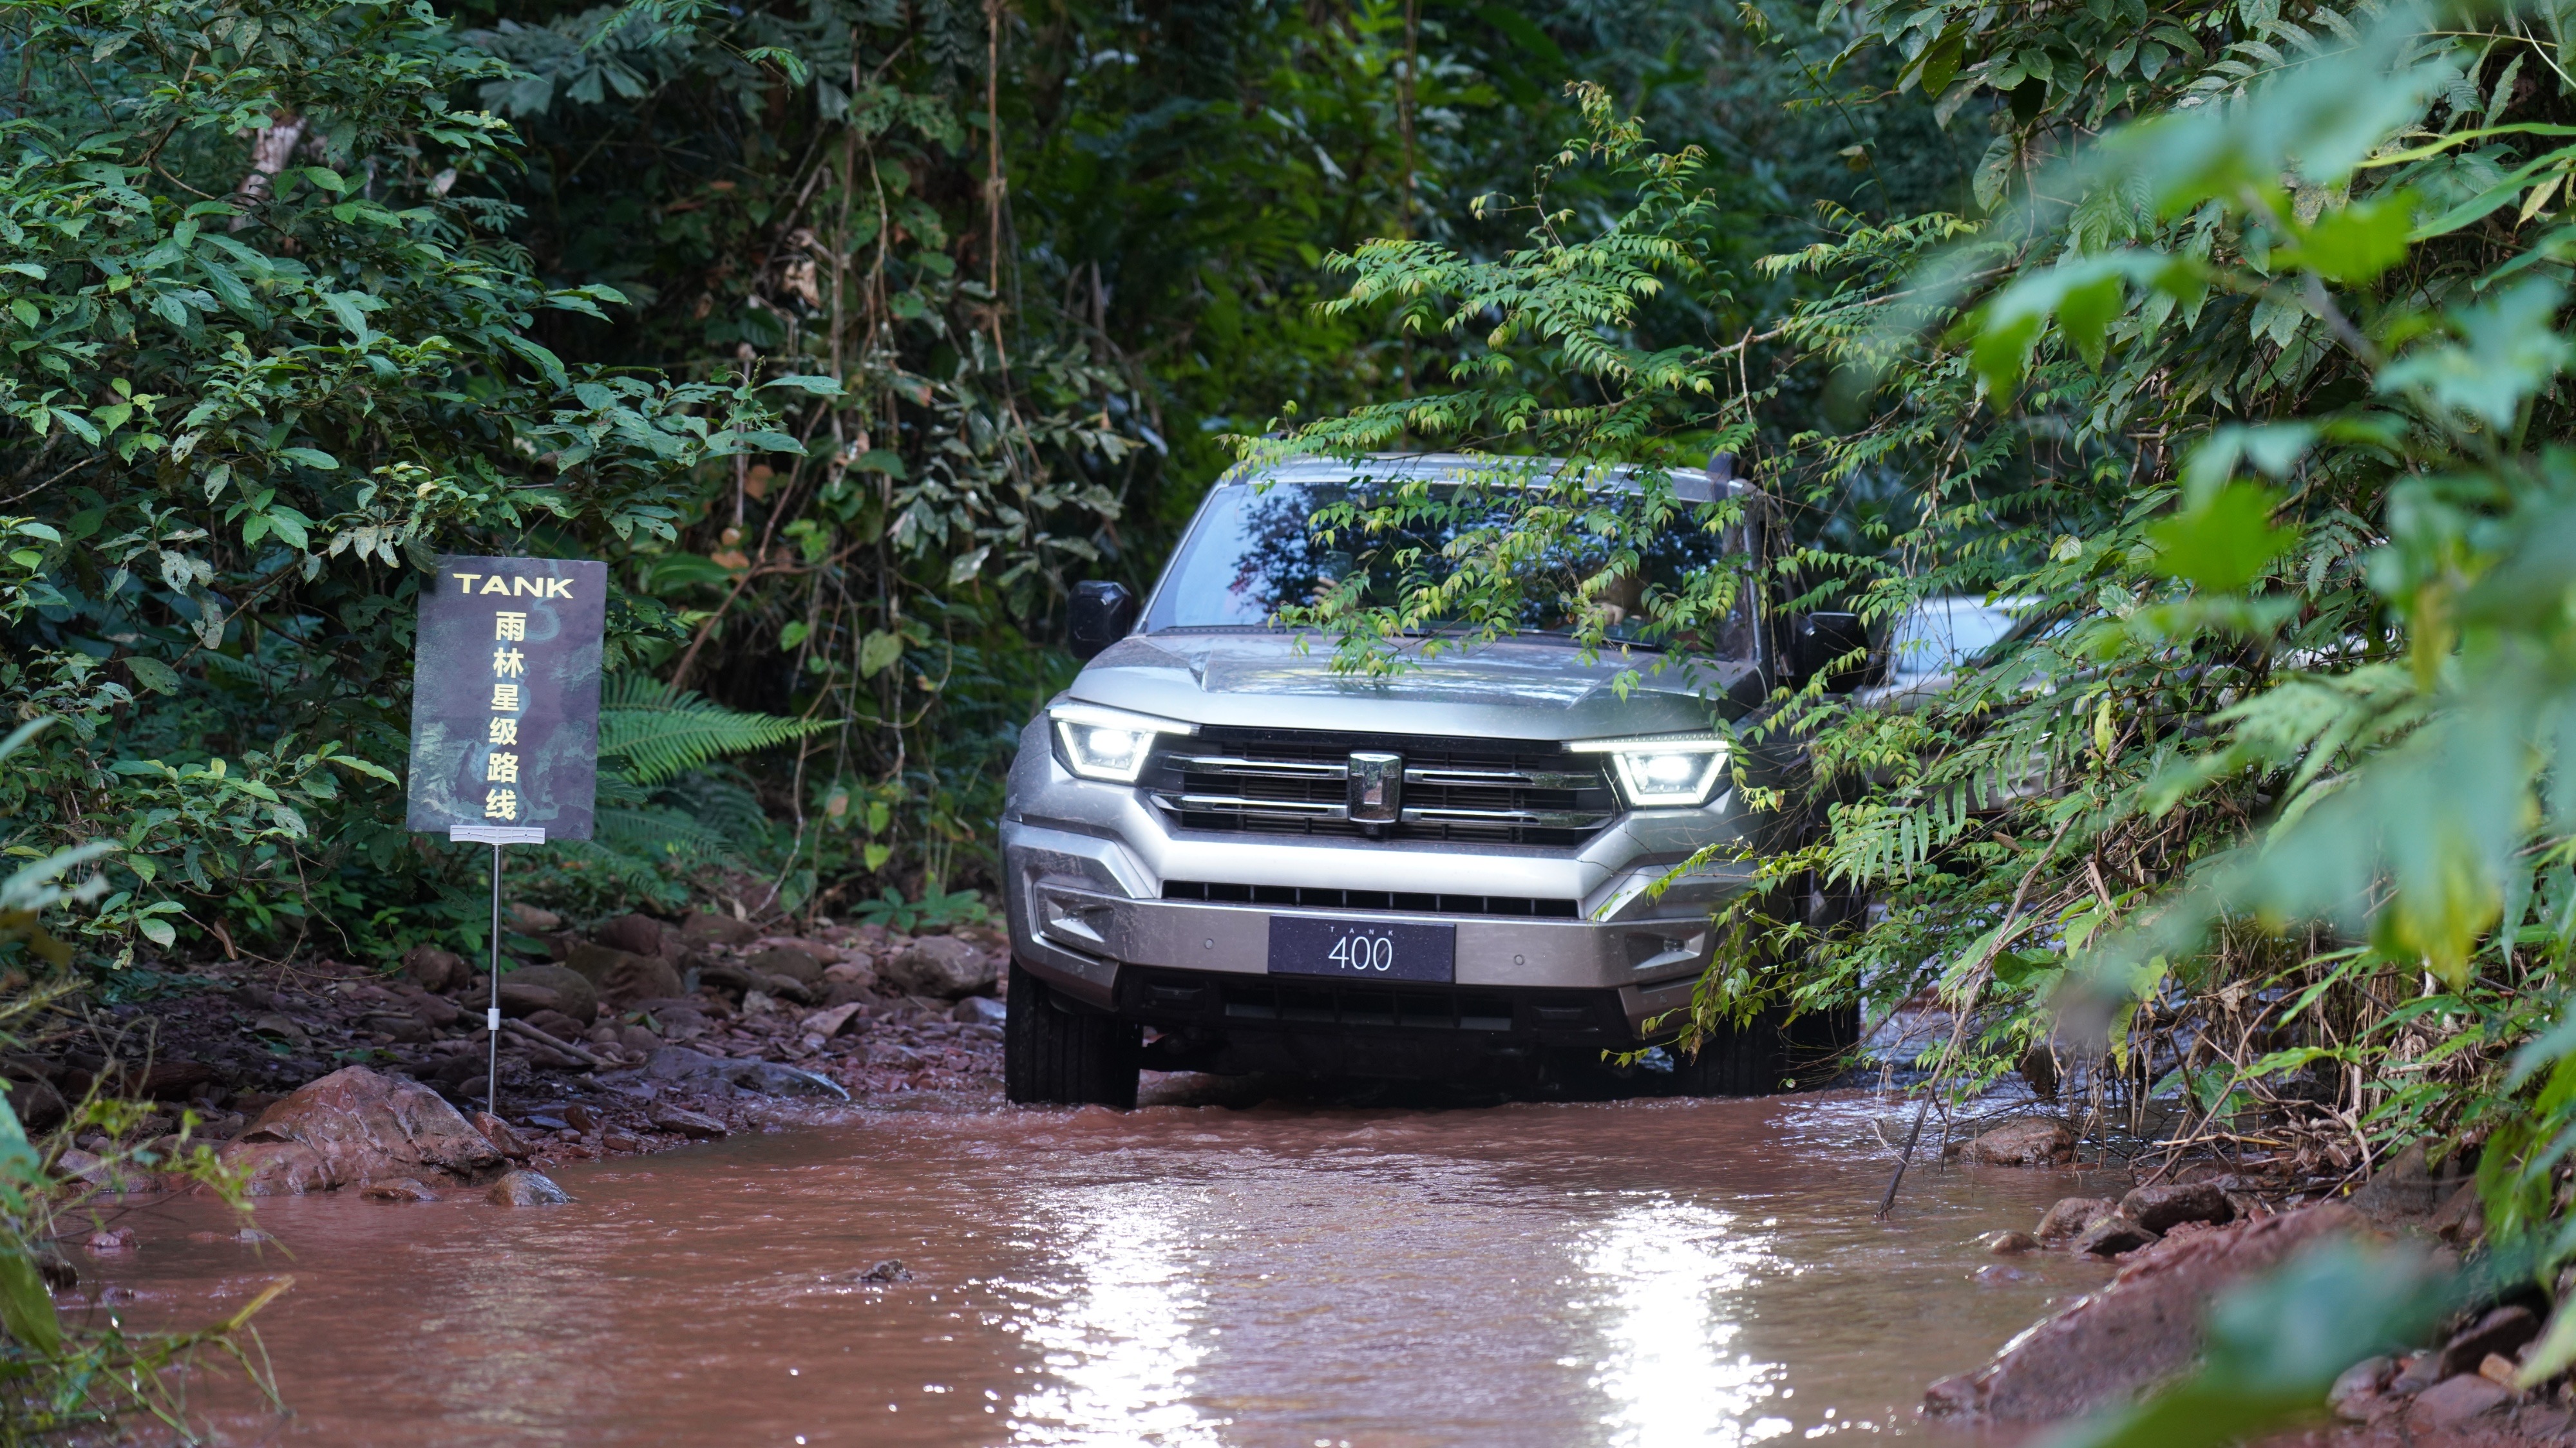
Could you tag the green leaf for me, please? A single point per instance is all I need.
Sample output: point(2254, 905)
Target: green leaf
point(26, 1309)
point(158, 932)
point(2354, 244)
point(877, 653)
point(311, 457)
point(806, 382)
point(2224, 544)
point(2510, 349)
point(153, 674)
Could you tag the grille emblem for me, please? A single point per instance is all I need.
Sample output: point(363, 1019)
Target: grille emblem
point(1376, 787)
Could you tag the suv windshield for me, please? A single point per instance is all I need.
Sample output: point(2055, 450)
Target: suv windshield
point(1255, 551)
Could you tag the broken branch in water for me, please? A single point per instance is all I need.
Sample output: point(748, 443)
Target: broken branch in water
point(1888, 1202)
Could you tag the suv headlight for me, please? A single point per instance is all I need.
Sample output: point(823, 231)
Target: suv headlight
point(1109, 744)
point(1664, 772)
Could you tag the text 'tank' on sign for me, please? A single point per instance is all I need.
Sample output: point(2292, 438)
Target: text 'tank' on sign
point(505, 696)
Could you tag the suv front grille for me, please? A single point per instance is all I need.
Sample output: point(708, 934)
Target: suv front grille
point(1322, 899)
point(1284, 782)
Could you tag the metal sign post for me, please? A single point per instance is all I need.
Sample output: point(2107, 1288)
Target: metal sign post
point(505, 717)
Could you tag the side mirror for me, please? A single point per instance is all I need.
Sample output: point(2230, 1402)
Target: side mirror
point(1818, 640)
point(1102, 615)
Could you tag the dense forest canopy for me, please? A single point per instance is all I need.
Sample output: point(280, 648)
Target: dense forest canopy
point(2223, 337)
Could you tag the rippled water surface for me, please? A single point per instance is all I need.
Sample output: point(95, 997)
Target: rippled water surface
point(1640, 1273)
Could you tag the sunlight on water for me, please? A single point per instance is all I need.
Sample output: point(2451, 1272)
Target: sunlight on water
point(1117, 1339)
point(1671, 1282)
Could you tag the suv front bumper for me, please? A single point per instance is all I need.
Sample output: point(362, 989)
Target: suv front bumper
point(1087, 867)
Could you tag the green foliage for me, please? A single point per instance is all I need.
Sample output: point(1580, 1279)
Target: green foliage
point(651, 738)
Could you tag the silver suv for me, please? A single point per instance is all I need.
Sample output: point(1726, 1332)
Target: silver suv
point(1449, 871)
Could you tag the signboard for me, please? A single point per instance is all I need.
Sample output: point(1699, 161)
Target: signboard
point(505, 699)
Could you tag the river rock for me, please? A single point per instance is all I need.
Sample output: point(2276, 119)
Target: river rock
point(681, 1119)
point(2112, 1235)
point(505, 1139)
point(2406, 1188)
point(980, 1011)
point(623, 977)
point(2502, 1331)
point(830, 1022)
point(797, 965)
point(2071, 1216)
point(2168, 1205)
point(2008, 1244)
point(556, 1024)
point(2462, 1219)
point(571, 992)
point(397, 1189)
point(528, 919)
point(435, 1012)
point(355, 1125)
point(2454, 1403)
point(707, 928)
point(431, 968)
point(526, 1189)
point(2356, 1392)
point(942, 966)
point(2142, 1329)
point(634, 934)
point(681, 1066)
point(2032, 1141)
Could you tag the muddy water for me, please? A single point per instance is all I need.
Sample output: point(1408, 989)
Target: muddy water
point(1639, 1273)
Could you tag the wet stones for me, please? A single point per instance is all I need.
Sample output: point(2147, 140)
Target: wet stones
point(352, 1126)
point(698, 1127)
point(526, 1189)
point(942, 966)
point(2068, 1219)
point(2031, 1141)
point(2112, 1235)
point(2142, 1329)
point(980, 1011)
point(2009, 1244)
point(397, 1189)
point(504, 1138)
point(2168, 1205)
point(682, 1066)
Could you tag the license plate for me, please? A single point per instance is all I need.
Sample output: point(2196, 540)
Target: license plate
point(1362, 949)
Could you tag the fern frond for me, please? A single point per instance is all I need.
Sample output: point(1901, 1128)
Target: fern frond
point(657, 738)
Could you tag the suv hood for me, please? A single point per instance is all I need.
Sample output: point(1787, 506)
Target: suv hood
point(1513, 689)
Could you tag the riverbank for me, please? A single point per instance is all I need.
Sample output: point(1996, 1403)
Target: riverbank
point(711, 1027)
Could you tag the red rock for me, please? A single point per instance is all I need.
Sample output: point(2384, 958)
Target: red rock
point(354, 1126)
point(2142, 1329)
point(2072, 1215)
point(2454, 1402)
point(503, 1138)
point(2033, 1141)
point(397, 1189)
point(688, 1123)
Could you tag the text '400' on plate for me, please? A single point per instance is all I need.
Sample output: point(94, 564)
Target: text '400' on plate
point(1362, 949)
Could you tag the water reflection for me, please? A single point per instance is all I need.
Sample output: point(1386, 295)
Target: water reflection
point(1671, 1282)
point(1115, 1341)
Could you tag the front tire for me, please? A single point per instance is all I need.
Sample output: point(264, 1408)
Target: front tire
point(1054, 1053)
